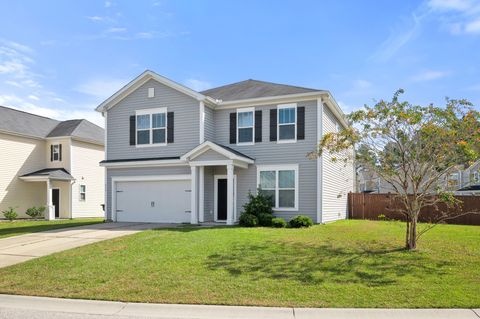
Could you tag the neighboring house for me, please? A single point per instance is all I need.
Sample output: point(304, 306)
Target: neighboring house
point(50, 163)
point(181, 156)
point(470, 180)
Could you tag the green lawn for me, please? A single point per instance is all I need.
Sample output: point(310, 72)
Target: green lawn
point(21, 227)
point(343, 264)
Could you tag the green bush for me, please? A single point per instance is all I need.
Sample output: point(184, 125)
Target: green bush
point(279, 223)
point(258, 204)
point(35, 212)
point(300, 221)
point(10, 214)
point(248, 220)
point(265, 220)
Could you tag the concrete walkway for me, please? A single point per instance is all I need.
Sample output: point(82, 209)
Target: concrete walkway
point(17, 249)
point(40, 307)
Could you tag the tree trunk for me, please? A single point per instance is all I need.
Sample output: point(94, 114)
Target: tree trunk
point(407, 236)
point(412, 240)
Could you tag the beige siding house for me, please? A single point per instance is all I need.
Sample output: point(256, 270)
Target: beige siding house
point(50, 163)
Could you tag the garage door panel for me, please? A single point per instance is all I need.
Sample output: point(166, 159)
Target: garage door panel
point(153, 201)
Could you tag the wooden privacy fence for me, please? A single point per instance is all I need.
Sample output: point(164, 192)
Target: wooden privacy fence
point(370, 206)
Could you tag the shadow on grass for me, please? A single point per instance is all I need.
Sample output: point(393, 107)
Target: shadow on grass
point(324, 263)
point(13, 231)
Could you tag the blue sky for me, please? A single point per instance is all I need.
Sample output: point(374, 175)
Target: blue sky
point(62, 58)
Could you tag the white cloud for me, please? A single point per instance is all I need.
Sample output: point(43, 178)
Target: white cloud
point(459, 16)
point(96, 18)
point(459, 5)
point(101, 88)
point(407, 30)
point(197, 85)
point(33, 97)
point(362, 84)
point(116, 30)
point(473, 27)
point(429, 75)
point(15, 62)
point(346, 108)
point(108, 4)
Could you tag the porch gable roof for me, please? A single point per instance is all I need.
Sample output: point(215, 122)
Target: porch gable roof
point(225, 151)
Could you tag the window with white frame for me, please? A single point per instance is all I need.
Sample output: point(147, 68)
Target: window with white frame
point(152, 126)
point(475, 177)
point(287, 122)
point(83, 193)
point(280, 183)
point(56, 152)
point(245, 125)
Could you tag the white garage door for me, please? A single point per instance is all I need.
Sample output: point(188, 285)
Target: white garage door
point(153, 201)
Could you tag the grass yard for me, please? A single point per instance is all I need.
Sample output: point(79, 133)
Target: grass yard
point(343, 264)
point(21, 227)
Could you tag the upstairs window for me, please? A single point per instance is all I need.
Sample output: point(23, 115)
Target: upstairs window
point(56, 150)
point(245, 126)
point(287, 124)
point(151, 127)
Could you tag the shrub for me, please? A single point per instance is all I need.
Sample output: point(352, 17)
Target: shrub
point(300, 221)
point(35, 212)
point(248, 220)
point(279, 223)
point(265, 220)
point(10, 214)
point(258, 204)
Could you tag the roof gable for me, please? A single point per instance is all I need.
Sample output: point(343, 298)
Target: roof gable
point(139, 81)
point(250, 89)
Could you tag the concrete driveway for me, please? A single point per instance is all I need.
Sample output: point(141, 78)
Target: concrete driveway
point(17, 249)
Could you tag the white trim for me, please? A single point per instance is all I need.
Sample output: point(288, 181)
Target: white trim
point(281, 107)
point(201, 194)
point(193, 196)
point(80, 193)
point(319, 161)
point(215, 197)
point(287, 98)
point(202, 122)
point(280, 167)
point(115, 179)
point(246, 110)
point(142, 79)
point(155, 163)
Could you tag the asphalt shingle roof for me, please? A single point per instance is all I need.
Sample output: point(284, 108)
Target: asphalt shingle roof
point(20, 122)
point(249, 89)
point(53, 173)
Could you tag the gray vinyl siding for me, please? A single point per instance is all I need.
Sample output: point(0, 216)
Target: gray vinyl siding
point(186, 119)
point(272, 153)
point(210, 155)
point(338, 178)
point(114, 172)
point(208, 204)
point(209, 124)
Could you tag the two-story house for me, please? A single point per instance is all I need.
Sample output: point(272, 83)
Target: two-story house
point(180, 156)
point(50, 163)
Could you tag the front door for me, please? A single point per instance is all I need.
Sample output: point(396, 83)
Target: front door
point(56, 201)
point(222, 199)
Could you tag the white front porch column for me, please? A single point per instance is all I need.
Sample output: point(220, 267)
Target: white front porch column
point(193, 209)
point(230, 196)
point(50, 211)
point(201, 195)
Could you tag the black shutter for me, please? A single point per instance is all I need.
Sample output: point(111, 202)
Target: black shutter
point(233, 128)
point(170, 127)
point(59, 152)
point(258, 126)
point(51, 153)
point(301, 123)
point(132, 130)
point(273, 125)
